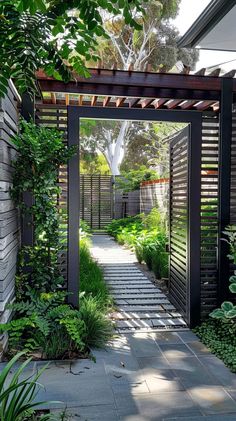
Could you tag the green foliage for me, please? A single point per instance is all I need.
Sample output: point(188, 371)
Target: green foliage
point(117, 225)
point(18, 394)
point(53, 35)
point(227, 312)
point(93, 162)
point(147, 236)
point(91, 277)
point(44, 323)
point(99, 329)
point(84, 228)
point(41, 153)
point(220, 337)
point(130, 180)
point(160, 264)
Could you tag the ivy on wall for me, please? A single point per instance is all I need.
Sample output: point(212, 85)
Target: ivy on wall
point(41, 153)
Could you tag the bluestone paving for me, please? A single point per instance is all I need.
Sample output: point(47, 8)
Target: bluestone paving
point(134, 379)
point(142, 376)
point(132, 290)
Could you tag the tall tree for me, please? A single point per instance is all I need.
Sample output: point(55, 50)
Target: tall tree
point(58, 36)
point(155, 44)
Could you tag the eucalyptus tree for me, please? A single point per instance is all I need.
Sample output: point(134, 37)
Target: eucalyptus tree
point(57, 36)
point(154, 45)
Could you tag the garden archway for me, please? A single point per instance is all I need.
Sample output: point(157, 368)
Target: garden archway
point(195, 99)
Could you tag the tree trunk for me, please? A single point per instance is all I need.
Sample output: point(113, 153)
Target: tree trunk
point(115, 159)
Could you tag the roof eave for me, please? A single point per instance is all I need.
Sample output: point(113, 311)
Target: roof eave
point(210, 16)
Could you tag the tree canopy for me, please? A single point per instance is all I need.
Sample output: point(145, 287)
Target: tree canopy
point(57, 36)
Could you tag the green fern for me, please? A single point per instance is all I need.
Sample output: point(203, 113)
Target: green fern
point(76, 329)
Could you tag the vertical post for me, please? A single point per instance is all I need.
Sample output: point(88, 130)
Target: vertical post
point(73, 209)
point(28, 107)
point(226, 104)
point(27, 234)
point(194, 224)
point(99, 201)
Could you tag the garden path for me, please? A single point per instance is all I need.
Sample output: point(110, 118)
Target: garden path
point(139, 376)
point(140, 304)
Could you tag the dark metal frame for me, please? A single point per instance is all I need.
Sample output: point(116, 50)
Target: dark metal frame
point(226, 105)
point(195, 120)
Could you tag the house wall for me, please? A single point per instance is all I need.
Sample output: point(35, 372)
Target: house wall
point(9, 216)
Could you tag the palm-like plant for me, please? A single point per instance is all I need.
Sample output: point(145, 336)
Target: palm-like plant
point(18, 395)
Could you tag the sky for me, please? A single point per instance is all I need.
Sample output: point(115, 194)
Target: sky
point(189, 11)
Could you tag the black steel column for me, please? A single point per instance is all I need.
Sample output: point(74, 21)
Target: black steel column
point(27, 232)
point(194, 224)
point(226, 105)
point(28, 107)
point(73, 209)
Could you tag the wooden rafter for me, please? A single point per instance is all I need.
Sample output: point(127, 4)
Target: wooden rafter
point(120, 102)
point(201, 72)
point(159, 102)
point(204, 105)
point(106, 101)
point(146, 102)
point(173, 103)
point(81, 100)
point(94, 100)
point(134, 102)
point(53, 98)
point(67, 99)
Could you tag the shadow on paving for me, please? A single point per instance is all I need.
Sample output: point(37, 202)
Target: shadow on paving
point(144, 376)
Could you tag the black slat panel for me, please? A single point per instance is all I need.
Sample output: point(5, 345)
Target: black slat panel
point(178, 222)
point(209, 214)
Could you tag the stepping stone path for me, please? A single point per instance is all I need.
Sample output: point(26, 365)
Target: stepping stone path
point(140, 304)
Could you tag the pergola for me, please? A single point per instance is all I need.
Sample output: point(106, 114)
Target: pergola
point(202, 100)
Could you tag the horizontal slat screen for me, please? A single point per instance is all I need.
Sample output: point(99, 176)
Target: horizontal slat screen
point(96, 200)
point(178, 222)
point(233, 173)
point(209, 214)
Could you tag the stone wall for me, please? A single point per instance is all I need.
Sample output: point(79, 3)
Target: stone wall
point(9, 216)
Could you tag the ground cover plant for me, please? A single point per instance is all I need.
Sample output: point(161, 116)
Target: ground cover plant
point(43, 323)
point(219, 332)
point(147, 236)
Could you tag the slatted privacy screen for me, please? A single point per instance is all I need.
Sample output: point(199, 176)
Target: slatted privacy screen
point(233, 173)
point(96, 199)
point(209, 213)
point(179, 156)
point(55, 116)
point(178, 287)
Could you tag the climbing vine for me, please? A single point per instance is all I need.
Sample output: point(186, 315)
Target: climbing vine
point(41, 153)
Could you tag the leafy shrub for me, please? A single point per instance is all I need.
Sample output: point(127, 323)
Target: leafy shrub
point(46, 324)
point(147, 236)
point(160, 264)
point(99, 329)
point(117, 225)
point(84, 228)
point(91, 276)
point(17, 395)
point(220, 337)
point(154, 220)
point(130, 180)
point(227, 312)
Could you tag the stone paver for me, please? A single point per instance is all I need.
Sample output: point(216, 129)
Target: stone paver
point(141, 305)
point(140, 377)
